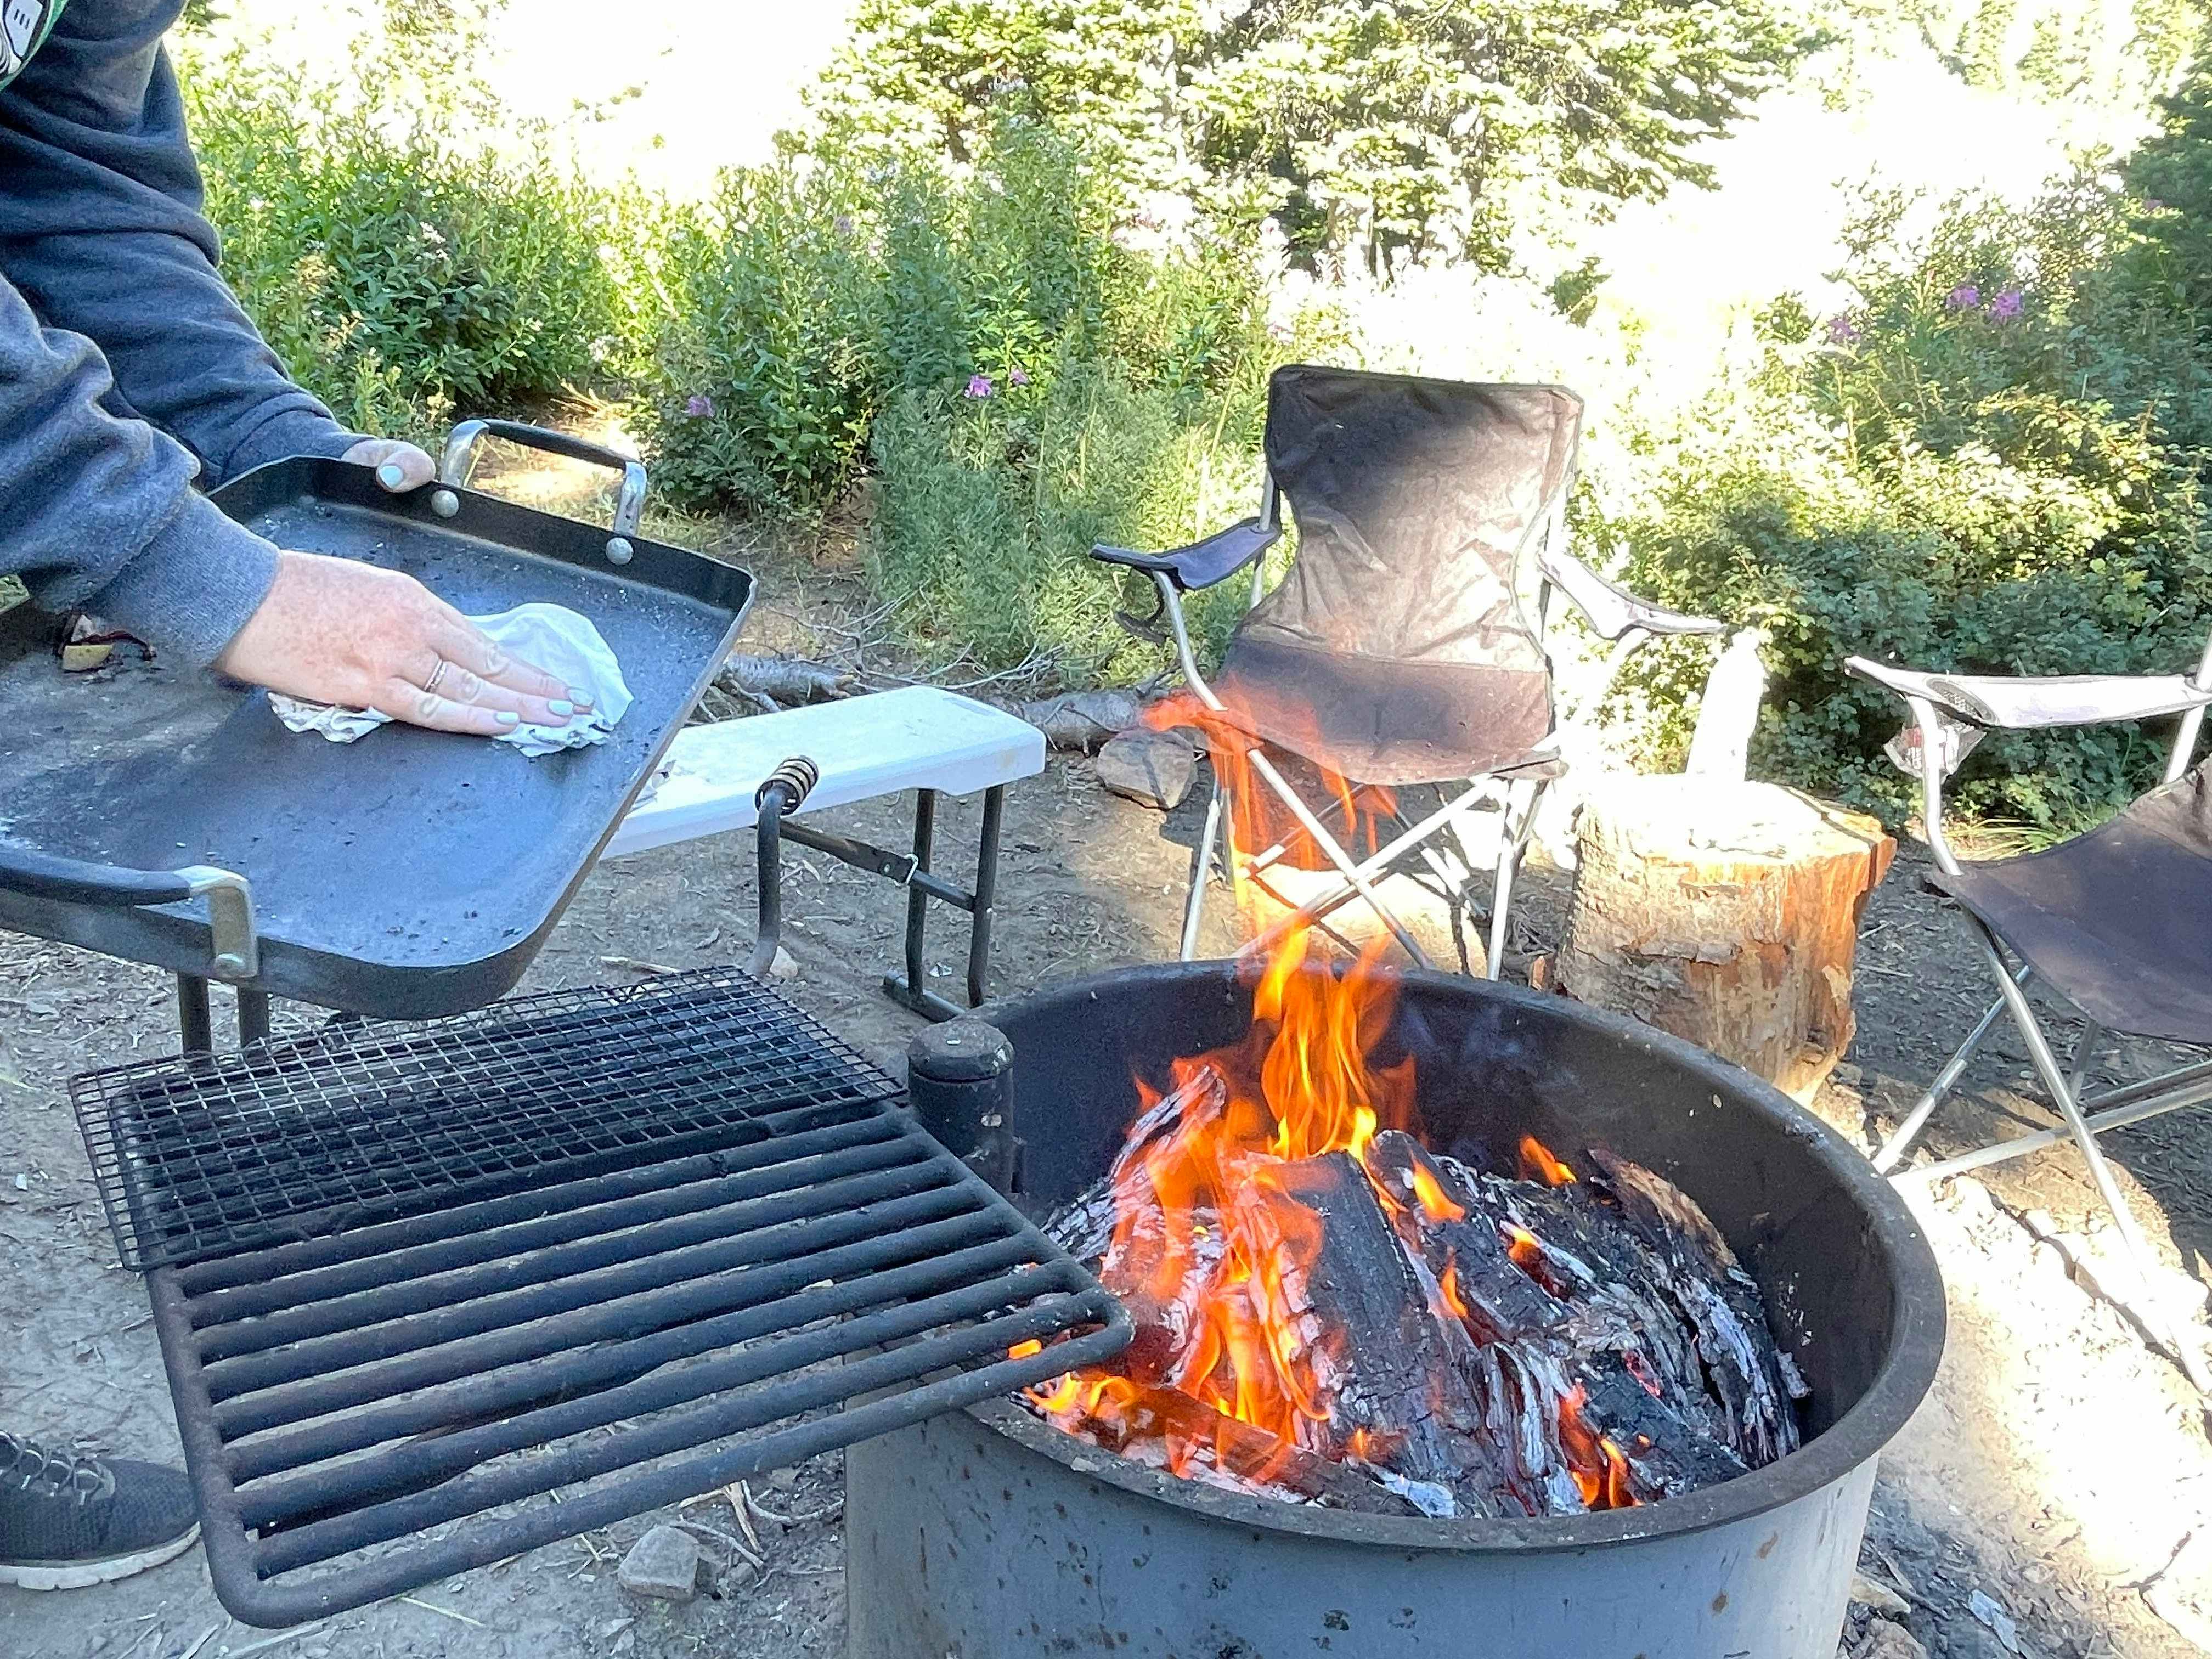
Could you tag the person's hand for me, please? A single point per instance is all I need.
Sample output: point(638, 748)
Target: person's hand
point(399, 465)
point(335, 630)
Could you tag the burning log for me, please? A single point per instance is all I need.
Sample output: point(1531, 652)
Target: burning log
point(1545, 1356)
point(1166, 1428)
point(1756, 1380)
point(1324, 1306)
point(1460, 1242)
point(1387, 1389)
point(1084, 1226)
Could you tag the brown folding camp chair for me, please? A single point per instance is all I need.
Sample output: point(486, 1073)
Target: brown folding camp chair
point(1397, 649)
point(2117, 921)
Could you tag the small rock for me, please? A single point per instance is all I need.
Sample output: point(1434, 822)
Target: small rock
point(22, 1183)
point(1888, 1641)
point(665, 1563)
point(1869, 1593)
point(784, 966)
point(1987, 1609)
point(1155, 768)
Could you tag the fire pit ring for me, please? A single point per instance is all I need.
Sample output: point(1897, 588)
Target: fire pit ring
point(989, 1535)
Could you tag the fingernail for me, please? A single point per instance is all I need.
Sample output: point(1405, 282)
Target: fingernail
point(562, 707)
point(391, 475)
point(508, 717)
point(581, 698)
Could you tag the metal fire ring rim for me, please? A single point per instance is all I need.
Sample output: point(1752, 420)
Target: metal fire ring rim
point(1901, 1381)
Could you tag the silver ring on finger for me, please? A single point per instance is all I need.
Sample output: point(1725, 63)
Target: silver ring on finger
point(436, 675)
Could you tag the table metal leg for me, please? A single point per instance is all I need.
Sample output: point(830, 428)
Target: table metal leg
point(917, 902)
point(252, 1016)
point(987, 888)
point(194, 1022)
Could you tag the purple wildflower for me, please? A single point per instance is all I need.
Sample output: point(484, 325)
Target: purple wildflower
point(699, 406)
point(2005, 307)
point(979, 386)
point(1015, 377)
point(1842, 330)
point(1965, 297)
point(843, 224)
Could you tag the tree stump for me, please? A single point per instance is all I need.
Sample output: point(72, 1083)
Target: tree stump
point(1726, 913)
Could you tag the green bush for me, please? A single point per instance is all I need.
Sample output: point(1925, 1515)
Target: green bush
point(813, 290)
point(1989, 464)
point(403, 271)
point(1022, 381)
point(989, 507)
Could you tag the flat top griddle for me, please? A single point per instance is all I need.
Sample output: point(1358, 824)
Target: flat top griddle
point(411, 873)
point(615, 1247)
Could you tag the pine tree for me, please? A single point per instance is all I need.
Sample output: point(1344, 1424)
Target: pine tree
point(1376, 131)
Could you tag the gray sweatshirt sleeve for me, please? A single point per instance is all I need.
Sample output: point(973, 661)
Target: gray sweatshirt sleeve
point(113, 316)
point(100, 511)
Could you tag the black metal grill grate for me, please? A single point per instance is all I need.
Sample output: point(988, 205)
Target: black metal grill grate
point(767, 1258)
point(364, 1122)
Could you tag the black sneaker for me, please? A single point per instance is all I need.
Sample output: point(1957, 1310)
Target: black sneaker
point(68, 1521)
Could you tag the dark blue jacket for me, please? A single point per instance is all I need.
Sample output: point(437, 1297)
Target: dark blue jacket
point(127, 370)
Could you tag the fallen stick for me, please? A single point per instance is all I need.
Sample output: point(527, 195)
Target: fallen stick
point(1082, 720)
point(788, 680)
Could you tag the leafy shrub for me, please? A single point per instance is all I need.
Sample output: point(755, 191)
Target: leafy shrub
point(990, 508)
point(1024, 379)
point(403, 270)
point(815, 288)
point(1983, 467)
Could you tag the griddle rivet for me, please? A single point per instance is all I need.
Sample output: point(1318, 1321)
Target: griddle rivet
point(445, 503)
point(619, 550)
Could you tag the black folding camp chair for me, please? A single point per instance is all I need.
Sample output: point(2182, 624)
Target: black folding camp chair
point(2117, 921)
point(1397, 649)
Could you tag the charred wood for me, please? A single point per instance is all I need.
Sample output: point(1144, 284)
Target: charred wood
point(1147, 1421)
point(1390, 1387)
point(1723, 1302)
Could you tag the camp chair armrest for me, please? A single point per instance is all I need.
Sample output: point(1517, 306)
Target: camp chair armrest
point(1201, 564)
point(1612, 612)
point(2027, 702)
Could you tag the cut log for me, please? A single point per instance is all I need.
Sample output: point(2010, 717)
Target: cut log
point(1725, 912)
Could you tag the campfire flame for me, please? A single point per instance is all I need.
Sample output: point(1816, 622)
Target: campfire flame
point(1537, 1164)
point(1209, 1234)
point(1260, 821)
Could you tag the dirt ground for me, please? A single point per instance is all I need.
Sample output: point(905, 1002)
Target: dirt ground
point(2050, 1481)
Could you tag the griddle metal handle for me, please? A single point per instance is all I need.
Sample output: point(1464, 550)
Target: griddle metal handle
point(78, 881)
point(460, 452)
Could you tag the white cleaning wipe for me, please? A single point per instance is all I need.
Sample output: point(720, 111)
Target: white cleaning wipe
point(551, 636)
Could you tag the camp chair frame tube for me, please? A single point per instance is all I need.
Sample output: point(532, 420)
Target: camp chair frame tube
point(1899, 1143)
point(2012, 991)
point(2192, 722)
point(2194, 1093)
point(1257, 760)
point(1374, 863)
